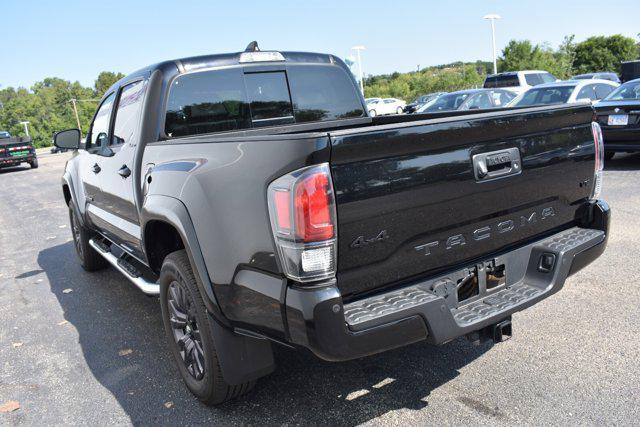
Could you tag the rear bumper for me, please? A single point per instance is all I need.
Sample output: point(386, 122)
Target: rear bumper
point(319, 320)
point(14, 161)
point(621, 139)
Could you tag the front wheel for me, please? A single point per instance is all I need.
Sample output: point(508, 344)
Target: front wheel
point(89, 258)
point(399, 110)
point(189, 331)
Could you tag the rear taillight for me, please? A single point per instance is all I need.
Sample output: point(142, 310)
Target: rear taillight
point(599, 163)
point(303, 219)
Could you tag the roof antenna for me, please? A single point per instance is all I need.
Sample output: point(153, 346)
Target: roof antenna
point(252, 47)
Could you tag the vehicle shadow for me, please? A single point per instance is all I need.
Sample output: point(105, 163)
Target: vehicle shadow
point(111, 318)
point(14, 169)
point(623, 162)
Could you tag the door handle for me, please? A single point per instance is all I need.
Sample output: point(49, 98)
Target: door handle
point(124, 171)
point(96, 168)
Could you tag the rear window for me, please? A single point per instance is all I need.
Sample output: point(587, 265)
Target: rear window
point(323, 93)
point(269, 100)
point(230, 99)
point(502, 80)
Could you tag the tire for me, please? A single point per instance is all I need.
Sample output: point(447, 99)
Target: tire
point(608, 155)
point(34, 164)
point(89, 258)
point(399, 110)
point(189, 331)
point(372, 113)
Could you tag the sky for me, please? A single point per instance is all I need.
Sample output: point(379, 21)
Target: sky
point(76, 40)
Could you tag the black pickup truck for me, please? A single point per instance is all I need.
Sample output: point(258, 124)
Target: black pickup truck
point(16, 150)
point(252, 193)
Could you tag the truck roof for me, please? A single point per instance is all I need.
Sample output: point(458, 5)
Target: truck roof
point(264, 57)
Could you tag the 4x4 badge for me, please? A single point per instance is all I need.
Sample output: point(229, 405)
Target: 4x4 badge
point(361, 241)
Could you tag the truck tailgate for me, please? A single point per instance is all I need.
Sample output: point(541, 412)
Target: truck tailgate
point(411, 203)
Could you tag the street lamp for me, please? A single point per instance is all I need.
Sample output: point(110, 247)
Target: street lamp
point(26, 127)
point(358, 49)
point(493, 17)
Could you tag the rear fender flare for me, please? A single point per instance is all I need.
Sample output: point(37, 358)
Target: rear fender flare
point(174, 212)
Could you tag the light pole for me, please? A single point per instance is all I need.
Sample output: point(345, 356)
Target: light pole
point(358, 49)
point(493, 17)
point(26, 127)
point(75, 111)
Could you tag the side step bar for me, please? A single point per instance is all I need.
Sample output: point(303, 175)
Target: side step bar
point(141, 283)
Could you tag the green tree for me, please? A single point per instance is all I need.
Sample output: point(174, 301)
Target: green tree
point(46, 105)
point(523, 55)
point(408, 86)
point(104, 81)
point(604, 53)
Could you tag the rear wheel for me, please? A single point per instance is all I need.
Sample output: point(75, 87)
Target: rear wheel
point(608, 155)
point(89, 258)
point(372, 113)
point(34, 163)
point(189, 330)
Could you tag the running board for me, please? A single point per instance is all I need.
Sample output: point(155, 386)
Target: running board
point(140, 282)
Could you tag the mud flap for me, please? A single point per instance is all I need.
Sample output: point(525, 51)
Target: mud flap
point(242, 358)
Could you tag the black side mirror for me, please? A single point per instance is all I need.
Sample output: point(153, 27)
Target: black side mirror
point(69, 139)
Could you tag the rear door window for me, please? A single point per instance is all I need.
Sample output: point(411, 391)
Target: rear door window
point(269, 98)
point(207, 102)
point(128, 114)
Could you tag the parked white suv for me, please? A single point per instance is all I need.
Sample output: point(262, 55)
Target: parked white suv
point(565, 92)
point(382, 106)
point(518, 81)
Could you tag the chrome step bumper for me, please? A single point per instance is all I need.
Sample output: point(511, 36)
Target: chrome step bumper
point(526, 283)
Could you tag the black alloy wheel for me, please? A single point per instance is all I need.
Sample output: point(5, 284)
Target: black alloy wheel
point(186, 334)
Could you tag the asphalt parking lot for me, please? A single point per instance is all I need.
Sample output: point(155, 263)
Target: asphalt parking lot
point(87, 348)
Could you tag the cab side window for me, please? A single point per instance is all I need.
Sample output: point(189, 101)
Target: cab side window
point(128, 115)
point(98, 139)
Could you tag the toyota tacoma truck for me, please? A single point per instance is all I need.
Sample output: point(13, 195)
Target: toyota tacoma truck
point(255, 197)
point(16, 150)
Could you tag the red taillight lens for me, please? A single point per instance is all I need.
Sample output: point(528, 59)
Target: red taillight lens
point(302, 210)
point(312, 209)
